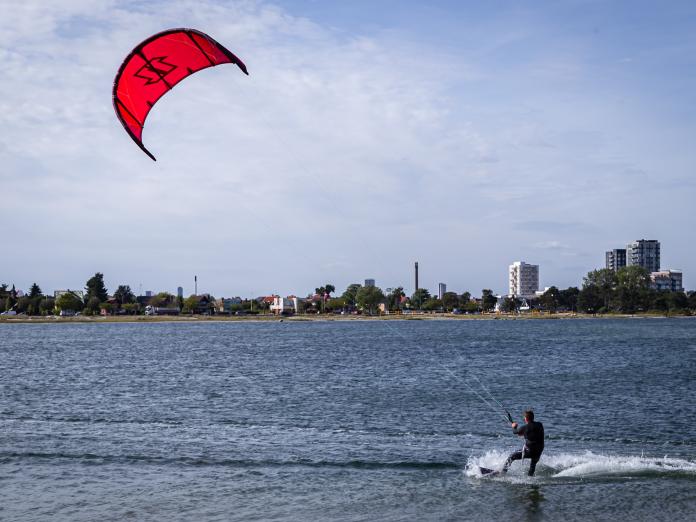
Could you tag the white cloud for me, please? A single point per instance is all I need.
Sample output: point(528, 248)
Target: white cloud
point(346, 155)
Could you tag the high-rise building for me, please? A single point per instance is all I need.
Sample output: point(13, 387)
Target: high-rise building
point(369, 282)
point(523, 279)
point(441, 290)
point(616, 259)
point(179, 291)
point(645, 253)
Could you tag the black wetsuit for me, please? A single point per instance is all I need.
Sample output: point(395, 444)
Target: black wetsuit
point(533, 445)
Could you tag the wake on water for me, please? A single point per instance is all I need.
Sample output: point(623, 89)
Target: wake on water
point(586, 465)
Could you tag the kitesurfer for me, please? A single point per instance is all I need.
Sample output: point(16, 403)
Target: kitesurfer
point(533, 433)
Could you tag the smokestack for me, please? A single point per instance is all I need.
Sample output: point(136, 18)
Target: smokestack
point(195, 285)
point(416, 277)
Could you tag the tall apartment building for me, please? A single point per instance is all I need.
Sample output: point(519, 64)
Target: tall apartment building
point(616, 259)
point(369, 282)
point(645, 253)
point(441, 290)
point(523, 279)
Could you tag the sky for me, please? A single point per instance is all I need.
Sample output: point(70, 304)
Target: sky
point(367, 136)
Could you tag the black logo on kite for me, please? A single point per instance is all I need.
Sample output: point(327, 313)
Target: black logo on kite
point(155, 70)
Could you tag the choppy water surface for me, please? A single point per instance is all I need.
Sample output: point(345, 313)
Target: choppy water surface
point(361, 420)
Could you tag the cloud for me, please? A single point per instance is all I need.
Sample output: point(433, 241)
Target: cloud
point(554, 226)
point(551, 245)
point(345, 154)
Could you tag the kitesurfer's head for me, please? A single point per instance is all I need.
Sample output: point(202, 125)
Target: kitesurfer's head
point(528, 415)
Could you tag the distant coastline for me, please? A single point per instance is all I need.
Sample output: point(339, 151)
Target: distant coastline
point(326, 317)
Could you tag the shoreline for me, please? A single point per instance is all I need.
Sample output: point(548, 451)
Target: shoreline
point(324, 318)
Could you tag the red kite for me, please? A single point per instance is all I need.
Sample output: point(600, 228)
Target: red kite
point(155, 66)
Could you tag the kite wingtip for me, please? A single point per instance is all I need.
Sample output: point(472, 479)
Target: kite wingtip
point(147, 152)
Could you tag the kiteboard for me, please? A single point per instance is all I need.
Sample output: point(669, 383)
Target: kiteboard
point(486, 472)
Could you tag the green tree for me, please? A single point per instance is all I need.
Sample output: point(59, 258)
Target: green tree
point(433, 305)
point(464, 300)
point(24, 305)
point(471, 307)
point(131, 308)
point(369, 297)
point(95, 288)
point(660, 302)
point(450, 301)
point(419, 297)
point(488, 300)
point(692, 301)
point(161, 299)
point(46, 305)
point(633, 277)
point(324, 292)
point(10, 297)
point(262, 306)
point(250, 306)
point(35, 296)
point(350, 294)
point(568, 298)
point(590, 300)
point(190, 304)
point(124, 295)
point(510, 304)
point(69, 301)
point(632, 289)
point(92, 306)
point(335, 303)
point(394, 298)
point(678, 301)
point(604, 282)
point(35, 291)
point(550, 299)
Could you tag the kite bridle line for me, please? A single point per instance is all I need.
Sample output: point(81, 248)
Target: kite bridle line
point(485, 388)
point(494, 406)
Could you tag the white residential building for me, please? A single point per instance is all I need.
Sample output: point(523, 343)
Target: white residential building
point(667, 280)
point(523, 279)
point(283, 305)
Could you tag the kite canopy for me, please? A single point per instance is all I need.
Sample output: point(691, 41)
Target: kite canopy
point(157, 65)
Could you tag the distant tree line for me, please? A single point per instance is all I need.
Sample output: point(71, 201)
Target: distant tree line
point(367, 299)
point(627, 290)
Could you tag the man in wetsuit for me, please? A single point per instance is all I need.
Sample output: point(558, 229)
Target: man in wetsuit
point(533, 433)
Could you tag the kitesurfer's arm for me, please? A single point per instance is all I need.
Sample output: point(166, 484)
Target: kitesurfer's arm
point(518, 430)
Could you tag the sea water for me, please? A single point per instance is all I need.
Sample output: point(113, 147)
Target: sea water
point(346, 420)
